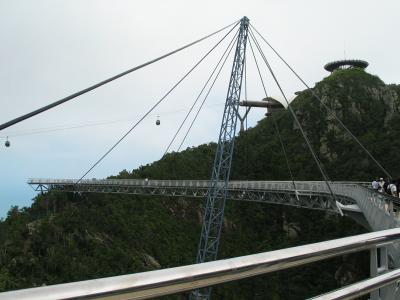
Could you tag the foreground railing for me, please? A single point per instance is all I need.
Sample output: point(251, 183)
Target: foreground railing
point(365, 287)
point(175, 280)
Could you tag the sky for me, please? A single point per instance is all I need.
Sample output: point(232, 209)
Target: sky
point(51, 49)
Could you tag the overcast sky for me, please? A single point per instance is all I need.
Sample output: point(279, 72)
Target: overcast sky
point(50, 49)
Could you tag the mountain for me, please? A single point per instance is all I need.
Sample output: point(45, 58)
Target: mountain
point(70, 237)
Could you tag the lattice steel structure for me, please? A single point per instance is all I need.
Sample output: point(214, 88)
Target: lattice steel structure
point(214, 211)
point(308, 194)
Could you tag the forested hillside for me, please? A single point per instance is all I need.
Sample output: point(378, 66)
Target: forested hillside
point(67, 237)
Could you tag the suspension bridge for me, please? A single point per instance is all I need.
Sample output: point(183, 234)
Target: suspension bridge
point(375, 211)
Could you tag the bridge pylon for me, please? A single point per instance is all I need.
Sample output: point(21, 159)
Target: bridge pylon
point(217, 193)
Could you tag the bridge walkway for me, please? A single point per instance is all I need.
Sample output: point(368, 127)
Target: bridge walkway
point(373, 210)
point(308, 194)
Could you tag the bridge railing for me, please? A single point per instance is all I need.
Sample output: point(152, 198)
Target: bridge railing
point(127, 182)
point(377, 207)
point(168, 281)
point(262, 191)
point(280, 185)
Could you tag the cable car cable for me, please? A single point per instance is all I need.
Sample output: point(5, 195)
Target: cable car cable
point(70, 97)
point(153, 107)
point(92, 124)
point(201, 92)
point(329, 110)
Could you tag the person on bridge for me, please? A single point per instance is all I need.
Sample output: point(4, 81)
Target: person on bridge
point(393, 189)
point(375, 184)
point(381, 185)
point(398, 187)
point(386, 188)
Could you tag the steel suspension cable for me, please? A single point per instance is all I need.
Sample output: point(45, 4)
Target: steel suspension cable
point(70, 97)
point(314, 155)
point(245, 78)
point(154, 106)
point(274, 121)
point(201, 92)
point(205, 98)
point(246, 133)
point(329, 110)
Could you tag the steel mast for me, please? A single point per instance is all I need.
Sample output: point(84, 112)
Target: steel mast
point(217, 193)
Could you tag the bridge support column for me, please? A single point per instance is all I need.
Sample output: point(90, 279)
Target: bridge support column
point(379, 264)
point(217, 192)
point(374, 270)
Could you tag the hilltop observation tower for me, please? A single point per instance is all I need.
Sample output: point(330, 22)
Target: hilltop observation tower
point(346, 64)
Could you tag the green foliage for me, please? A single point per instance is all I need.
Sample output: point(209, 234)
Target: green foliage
point(350, 77)
point(192, 163)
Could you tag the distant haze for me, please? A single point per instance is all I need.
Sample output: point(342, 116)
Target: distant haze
point(50, 49)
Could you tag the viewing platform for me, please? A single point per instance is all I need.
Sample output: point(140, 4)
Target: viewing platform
point(346, 64)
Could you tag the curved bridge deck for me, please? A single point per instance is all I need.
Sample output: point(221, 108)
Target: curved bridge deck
point(306, 194)
point(374, 210)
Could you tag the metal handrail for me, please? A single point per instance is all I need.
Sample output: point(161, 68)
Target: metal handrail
point(284, 185)
point(361, 288)
point(174, 280)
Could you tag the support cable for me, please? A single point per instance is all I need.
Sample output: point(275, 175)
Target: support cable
point(246, 113)
point(247, 110)
point(154, 106)
point(245, 91)
point(205, 98)
point(329, 110)
point(245, 79)
point(70, 97)
point(317, 161)
point(201, 92)
point(275, 123)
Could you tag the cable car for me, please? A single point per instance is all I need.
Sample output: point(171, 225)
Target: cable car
point(7, 143)
point(158, 121)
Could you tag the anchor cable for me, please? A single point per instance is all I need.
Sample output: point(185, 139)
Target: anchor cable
point(153, 107)
point(205, 98)
point(246, 133)
point(329, 110)
point(70, 97)
point(274, 121)
point(317, 161)
point(201, 92)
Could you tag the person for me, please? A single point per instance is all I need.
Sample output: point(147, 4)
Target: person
point(375, 184)
point(146, 181)
point(398, 187)
point(381, 184)
point(386, 188)
point(393, 188)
